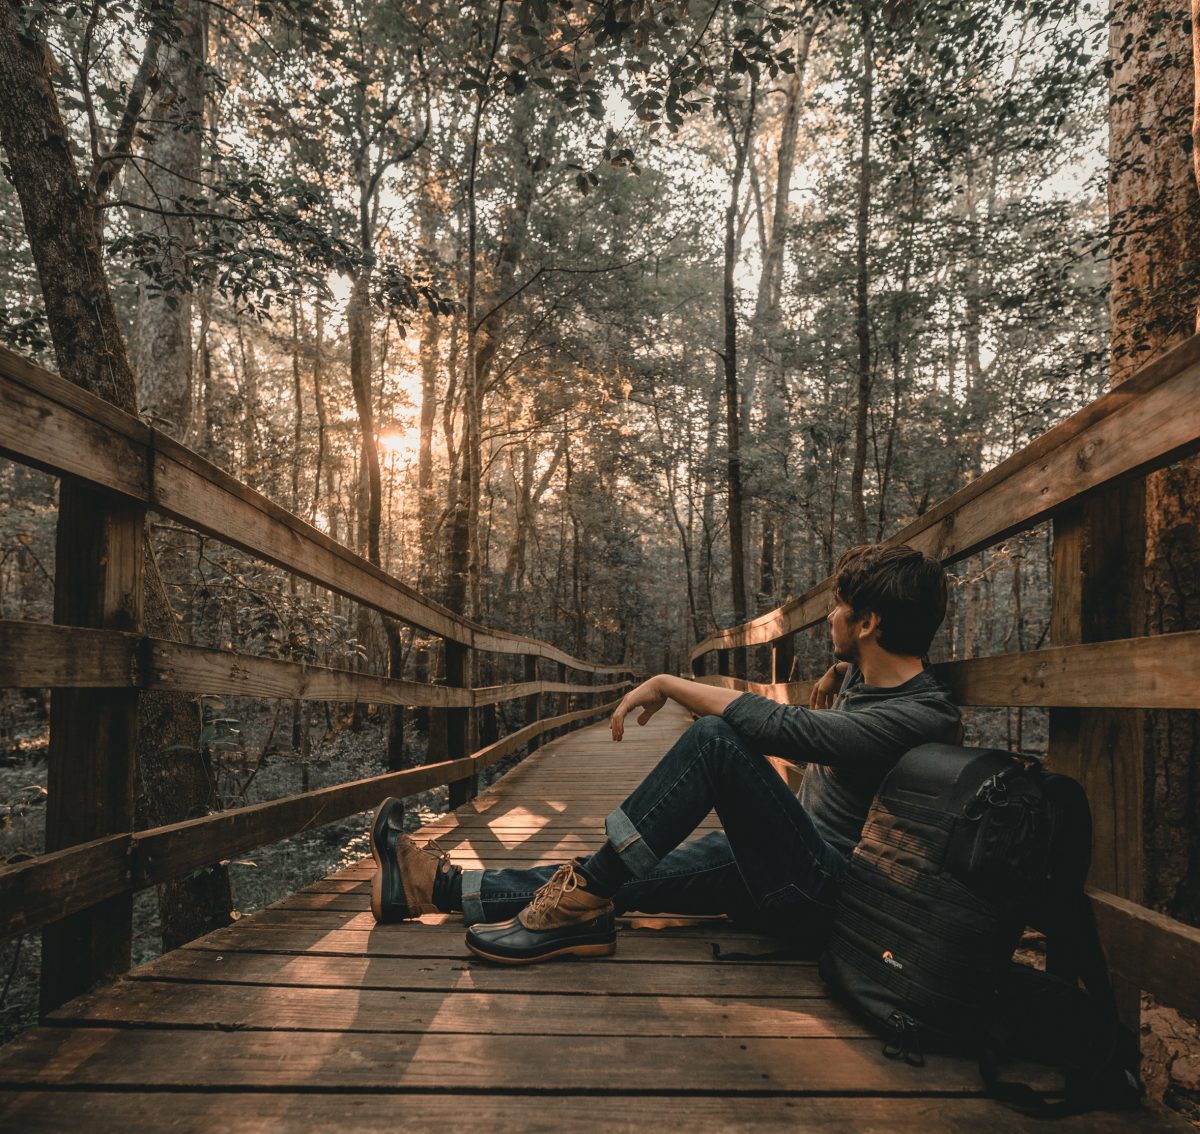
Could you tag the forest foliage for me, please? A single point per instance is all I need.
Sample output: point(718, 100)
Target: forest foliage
point(457, 284)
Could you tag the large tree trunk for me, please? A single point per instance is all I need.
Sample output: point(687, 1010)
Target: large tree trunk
point(162, 338)
point(61, 222)
point(1154, 207)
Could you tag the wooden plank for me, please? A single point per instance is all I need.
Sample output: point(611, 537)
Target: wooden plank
point(42, 655)
point(174, 850)
point(99, 556)
point(65, 440)
point(201, 670)
point(1151, 951)
point(188, 1112)
point(412, 940)
point(602, 979)
point(42, 890)
point(105, 1057)
point(1160, 672)
point(147, 1003)
point(1148, 422)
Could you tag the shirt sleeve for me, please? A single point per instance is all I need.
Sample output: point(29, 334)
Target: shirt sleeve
point(866, 737)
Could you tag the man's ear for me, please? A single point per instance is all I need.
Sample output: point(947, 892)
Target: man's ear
point(868, 625)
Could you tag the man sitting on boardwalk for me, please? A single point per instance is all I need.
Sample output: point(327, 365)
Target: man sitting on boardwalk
point(779, 857)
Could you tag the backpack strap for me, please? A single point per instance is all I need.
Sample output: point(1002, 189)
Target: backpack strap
point(1021, 1096)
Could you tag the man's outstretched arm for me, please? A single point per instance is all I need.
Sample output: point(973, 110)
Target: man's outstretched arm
point(650, 696)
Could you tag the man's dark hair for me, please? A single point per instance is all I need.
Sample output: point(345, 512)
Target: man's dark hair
point(907, 590)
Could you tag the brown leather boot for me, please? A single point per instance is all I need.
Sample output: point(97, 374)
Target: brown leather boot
point(562, 919)
point(402, 886)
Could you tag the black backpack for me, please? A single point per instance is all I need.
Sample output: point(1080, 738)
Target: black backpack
point(964, 848)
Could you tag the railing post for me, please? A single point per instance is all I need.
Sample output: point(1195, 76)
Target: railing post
point(700, 665)
point(783, 655)
point(457, 720)
point(1102, 748)
point(564, 699)
point(533, 703)
point(97, 583)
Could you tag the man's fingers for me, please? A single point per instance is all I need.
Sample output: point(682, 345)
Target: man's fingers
point(617, 724)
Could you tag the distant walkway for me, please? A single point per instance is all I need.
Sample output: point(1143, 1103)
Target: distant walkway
point(308, 1017)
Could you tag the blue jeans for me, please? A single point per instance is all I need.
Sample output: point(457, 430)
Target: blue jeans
point(768, 866)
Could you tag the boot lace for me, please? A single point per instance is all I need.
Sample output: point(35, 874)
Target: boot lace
point(561, 882)
point(436, 849)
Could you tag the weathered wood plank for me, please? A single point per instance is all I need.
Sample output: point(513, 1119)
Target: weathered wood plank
point(1151, 951)
point(609, 978)
point(40, 654)
point(1159, 672)
point(98, 583)
point(431, 941)
point(145, 1003)
point(48, 888)
point(199, 670)
point(104, 1057)
point(185, 1112)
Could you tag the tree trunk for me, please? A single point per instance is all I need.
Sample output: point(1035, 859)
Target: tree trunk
point(766, 305)
point(322, 419)
point(60, 216)
point(162, 337)
point(862, 322)
point(1154, 208)
point(741, 134)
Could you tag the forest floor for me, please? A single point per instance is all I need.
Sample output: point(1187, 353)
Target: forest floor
point(259, 771)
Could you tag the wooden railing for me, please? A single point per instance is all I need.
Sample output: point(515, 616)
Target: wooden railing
point(80, 892)
point(1147, 423)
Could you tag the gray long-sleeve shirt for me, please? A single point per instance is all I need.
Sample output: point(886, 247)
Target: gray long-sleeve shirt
point(850, 747)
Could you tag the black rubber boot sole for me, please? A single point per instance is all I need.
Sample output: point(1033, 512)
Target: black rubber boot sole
point(387, 890)
point(600, 941)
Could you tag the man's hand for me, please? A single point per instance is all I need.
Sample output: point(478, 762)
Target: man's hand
point(825, 690)
point(647, 697)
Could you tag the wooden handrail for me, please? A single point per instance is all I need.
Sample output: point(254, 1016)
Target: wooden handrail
point(41, 654)
point(1146, 423)
point(47, 888)
point(52, 424)
point(1129, 673)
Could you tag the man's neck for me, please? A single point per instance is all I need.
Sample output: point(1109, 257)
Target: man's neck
point(885, 670)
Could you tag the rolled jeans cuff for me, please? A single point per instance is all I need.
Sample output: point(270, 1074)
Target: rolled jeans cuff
point(472, 902)
point(627, 841)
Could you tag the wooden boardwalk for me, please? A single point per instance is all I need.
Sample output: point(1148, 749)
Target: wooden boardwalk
point(308, 1017)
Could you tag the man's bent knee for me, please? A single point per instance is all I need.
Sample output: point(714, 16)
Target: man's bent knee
point(714, 728)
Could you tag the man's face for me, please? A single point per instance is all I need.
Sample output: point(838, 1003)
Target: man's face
point(843, 632)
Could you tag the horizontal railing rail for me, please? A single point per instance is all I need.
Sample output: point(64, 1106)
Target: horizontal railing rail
point(45, 889)
point(48, 422)
point(81, 892)
point(45, 655)
point(1147, 423)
